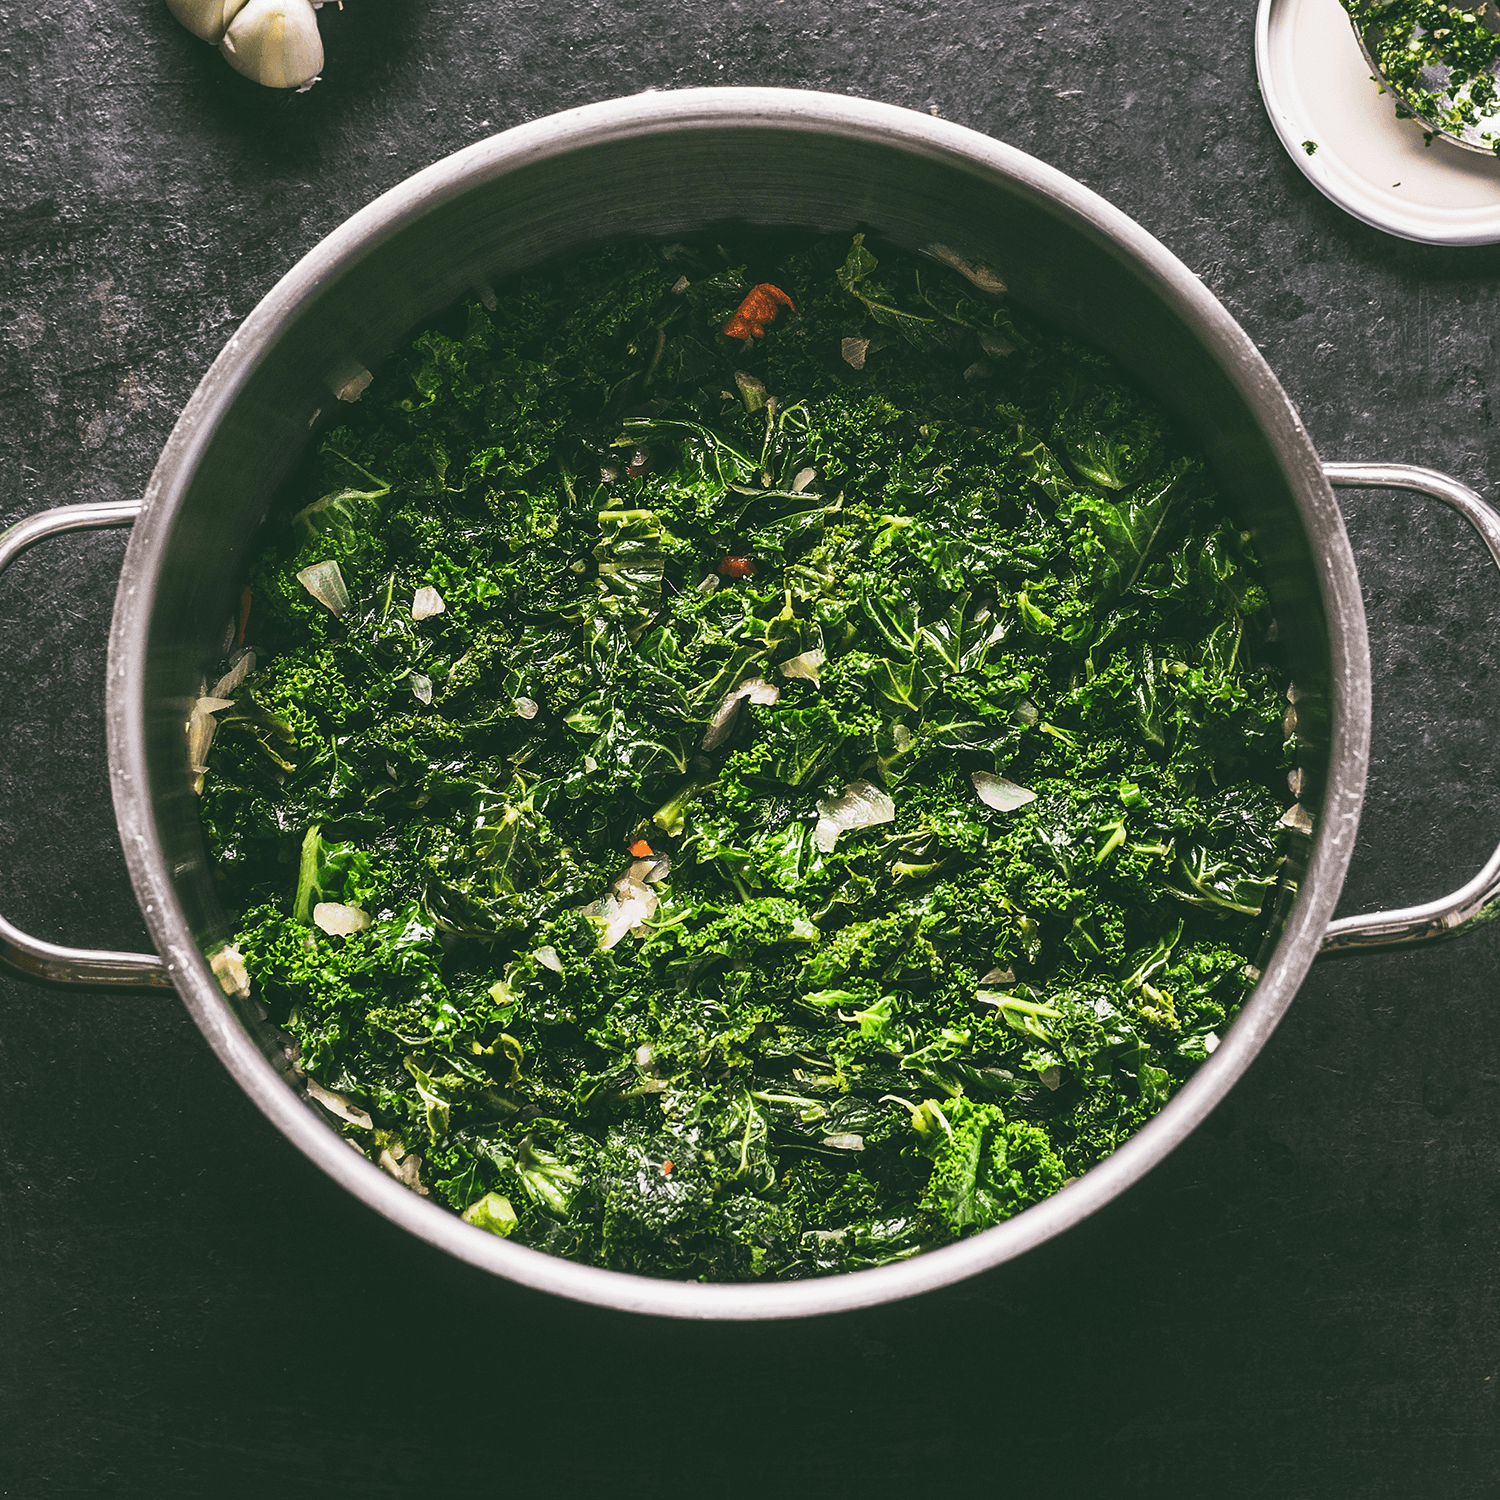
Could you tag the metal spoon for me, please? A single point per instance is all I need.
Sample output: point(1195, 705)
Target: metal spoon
point(1453, 115)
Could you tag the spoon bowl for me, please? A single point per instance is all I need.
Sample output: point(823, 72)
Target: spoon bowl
point(1447, 78)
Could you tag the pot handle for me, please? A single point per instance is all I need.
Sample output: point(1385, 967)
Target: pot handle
point(28, 954)
point(1479, 900)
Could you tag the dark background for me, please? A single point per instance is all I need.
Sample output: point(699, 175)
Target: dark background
point(1303, 1301)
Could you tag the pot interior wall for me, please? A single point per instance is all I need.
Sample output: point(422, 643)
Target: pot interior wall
point(254, 426)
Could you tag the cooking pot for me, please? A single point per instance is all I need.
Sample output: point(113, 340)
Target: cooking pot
point(661, 165)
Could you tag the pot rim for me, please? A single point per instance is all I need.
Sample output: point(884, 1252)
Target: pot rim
point(718, 108)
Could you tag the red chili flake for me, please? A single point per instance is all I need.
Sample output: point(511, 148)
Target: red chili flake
point(756, 311)
point(641, 849)
point(239, 640)
point(737, 567)
point(667, 1168)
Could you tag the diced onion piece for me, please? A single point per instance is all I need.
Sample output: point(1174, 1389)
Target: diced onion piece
point(807, 665)
point(998, 976)
point(1051, 1077)
point(627, 905)
point(351, 381)
point(492, 1212)
point(325, 582)
point(244, 665)
point(997, 792)
point(407, 1170)
point(549, 958)
point(229, 969)
point(336, 1104)
point(632, 908)
point(338, 920)
point(845, 1142)
point(804, 477)
point(1298, 817)
point(212, 705)
point(981, 276)
point(709, 584)
point(1211, 1043)
point(200, 735)
point(637, 904)
point(860, 805)
point(995, 344)
point(421, 687)
point(1025, 714)
point(426, 603)
point(854, 352)
point(721, 726)
point(527, 708)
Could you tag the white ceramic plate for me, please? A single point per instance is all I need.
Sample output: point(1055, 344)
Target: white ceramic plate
point(1317, 87)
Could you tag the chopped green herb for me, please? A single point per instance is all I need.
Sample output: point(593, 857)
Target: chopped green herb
point(1440, 60)
point(761, 812)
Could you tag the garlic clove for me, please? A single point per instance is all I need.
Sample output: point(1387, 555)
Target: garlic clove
point(207, 19)
point(275, 42)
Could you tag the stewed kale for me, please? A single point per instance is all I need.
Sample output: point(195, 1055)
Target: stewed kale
point(752, 806)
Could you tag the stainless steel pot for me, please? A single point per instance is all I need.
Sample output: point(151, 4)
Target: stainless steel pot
point(661, 165)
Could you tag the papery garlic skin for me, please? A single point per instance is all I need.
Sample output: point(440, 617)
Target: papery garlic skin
point(208, 19)
point(275, 42)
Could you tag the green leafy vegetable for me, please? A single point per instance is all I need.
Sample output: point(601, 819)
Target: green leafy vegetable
point(832, 806)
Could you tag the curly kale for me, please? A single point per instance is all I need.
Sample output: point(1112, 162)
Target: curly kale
point(626, 861)
point(986, 1168)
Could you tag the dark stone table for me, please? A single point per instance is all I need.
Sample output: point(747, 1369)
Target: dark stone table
point(1303, 1301)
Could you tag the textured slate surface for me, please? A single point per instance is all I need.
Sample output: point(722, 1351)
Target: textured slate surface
point(1302, 1302)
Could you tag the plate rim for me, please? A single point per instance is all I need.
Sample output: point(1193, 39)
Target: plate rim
point(1402, 227)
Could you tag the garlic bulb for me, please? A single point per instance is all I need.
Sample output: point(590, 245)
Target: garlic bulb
point(275, 42)
point(208, 19)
